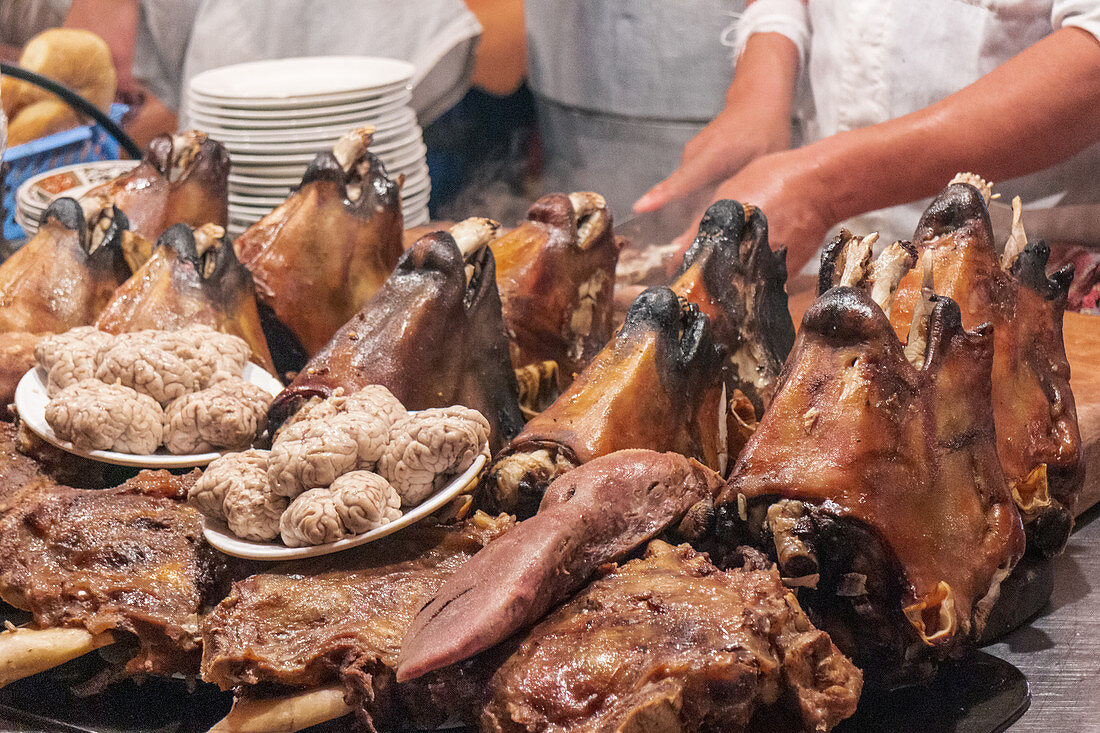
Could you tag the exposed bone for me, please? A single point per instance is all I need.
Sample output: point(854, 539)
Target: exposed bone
point(856, 260)
point(27, 650)
point(207, 237)
point(1032, 493)
point(934, 615)
point(474, 233)
point(185, 147)
point(889, 268)
point(534, 467)
point(724, 409)
point(592, 217)
point(984, 187)
point(917, 343)
point(284, 714)
point(797, 561)
point(351, 146)
point(1017, 239)
point(538, 386)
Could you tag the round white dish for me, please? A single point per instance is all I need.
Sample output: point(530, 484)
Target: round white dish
point(30, 403)
point(313, 115)
point(219, 536)
point(311, 77)
point(403, 117)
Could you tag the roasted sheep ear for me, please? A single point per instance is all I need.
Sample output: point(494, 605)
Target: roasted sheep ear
point(556, 274)
point(64, 276)
point(734, 277)
point(318, 258)
point(657, 385)
point(183, 178)
point(875, 484)
point(192, 278)
point(1037, 434)
point(432, 334)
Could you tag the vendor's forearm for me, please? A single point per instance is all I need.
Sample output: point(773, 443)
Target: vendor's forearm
point(766, 72)
point(1034, 111)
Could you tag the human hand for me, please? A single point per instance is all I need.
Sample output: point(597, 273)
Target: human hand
point(789, 189)
point(739, 134)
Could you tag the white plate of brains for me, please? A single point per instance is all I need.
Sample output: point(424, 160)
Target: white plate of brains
point(144, 399)
point(341, 473)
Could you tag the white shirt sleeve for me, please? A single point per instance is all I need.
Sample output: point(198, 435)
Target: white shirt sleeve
point(1083, 14)
point(789, 18)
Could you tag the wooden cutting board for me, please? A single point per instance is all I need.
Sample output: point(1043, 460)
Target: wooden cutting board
point(1082, 337)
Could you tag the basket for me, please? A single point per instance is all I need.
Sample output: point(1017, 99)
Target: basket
point(79, 145)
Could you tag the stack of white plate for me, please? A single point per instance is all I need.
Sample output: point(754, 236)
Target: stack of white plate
point(275, 116)
point(36, 193)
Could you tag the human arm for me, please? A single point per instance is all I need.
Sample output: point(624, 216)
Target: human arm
point(755, 120)
point(1035, 110)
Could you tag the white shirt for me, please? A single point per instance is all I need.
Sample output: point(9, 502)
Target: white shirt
point(872, 61)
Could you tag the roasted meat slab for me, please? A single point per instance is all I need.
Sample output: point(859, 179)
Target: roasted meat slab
point(432, 334)
point(876, 484)
point(670, 643)
point(556, 274)
point(1038, 439)
point(131, 559)
point(192, 278)
point(341, 619)
point(183, 178)
point(319, 256)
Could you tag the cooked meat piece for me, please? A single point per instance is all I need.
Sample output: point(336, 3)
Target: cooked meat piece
point(192, 279)
point(678, 376)
point(596, 514)
point(876, 485)
point(130, 558)
point(17, 470)
point(183, 179)
point(322, 254)
point(556, 274)
point(341, 618)
point(1038, 439)
point(432, 335)
point(671, 643)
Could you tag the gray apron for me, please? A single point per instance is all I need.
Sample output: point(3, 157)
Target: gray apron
point(622, 85)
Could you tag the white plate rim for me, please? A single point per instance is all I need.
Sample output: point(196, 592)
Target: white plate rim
point(302, 115)
point(32, 411)
point(247, 80)
point(220, 538)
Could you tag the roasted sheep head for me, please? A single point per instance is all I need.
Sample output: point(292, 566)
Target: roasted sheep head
point(734, 277)
point(183, 178)
point(648, 647)
point(318, 258)
point(192, 278)
point(556, 274)
point(432, 334)
point(873, 480)
point(690, 371)
point(1038, 439)
point(657, 385)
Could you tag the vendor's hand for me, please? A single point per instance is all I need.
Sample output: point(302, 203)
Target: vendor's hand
point(735, 137)
point(788, 188)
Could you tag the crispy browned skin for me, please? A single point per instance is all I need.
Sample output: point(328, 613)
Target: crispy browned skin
point(732, 274)
point(670, 643)
point(130, 558)
point(429, 335)
point(341, 618)
point(322, 254)
point(180, 286)
point(16, 469)
point(1033, 405)
point(596, 514)
point(659, 383)
point(897, 499)
point(183, 178)
point(556, 274)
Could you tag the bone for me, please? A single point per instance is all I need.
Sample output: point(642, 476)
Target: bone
point(984, 187)
point(351, 145)
point(934, 616)
point(797, 561)
point(592, 217)
point(538, 386)
point(889, 268)
point(27, 650)
point(185, 146)
point(1017, 238)
point(207, 237)
point(856, 260)
point(917, 343)
point(474, 233)
point(284, 714)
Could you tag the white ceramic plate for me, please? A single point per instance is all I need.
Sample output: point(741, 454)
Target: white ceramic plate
point(311, 76)
point(298, 102)
point(318, 114)
point(31, 399)
point(218, 535)
point(306, 152)
point(403, 117)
